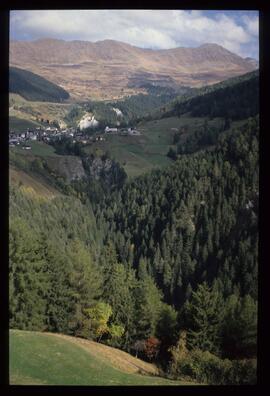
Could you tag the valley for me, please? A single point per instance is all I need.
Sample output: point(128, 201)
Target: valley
point(139, 144)
point(133, 226)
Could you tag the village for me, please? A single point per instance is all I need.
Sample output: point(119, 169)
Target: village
point(51, 134)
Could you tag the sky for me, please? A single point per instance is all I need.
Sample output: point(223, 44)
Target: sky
point(237, 31)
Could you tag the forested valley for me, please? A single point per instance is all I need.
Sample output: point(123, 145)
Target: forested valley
point(163, 265)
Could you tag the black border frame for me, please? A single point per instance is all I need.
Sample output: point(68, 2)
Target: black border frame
point(263, 323)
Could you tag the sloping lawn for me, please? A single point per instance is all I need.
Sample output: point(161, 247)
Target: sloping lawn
point(37, 358)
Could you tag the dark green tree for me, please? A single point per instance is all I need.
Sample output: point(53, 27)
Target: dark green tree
point(239, 328)
point(148, 307)
point(28, 281)
point(85, 283)
point(204, 314)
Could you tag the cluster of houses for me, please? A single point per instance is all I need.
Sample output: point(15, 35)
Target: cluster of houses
point(122, 131)
point(46, 135)
point(51, 134)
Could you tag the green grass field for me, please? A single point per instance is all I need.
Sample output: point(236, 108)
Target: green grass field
point(45, 359)
point(37, 148)
point(140, 154)
point(137, 154)
point(21, 111)
point(21, 124)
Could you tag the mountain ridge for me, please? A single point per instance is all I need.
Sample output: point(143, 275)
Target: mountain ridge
point(112, 69)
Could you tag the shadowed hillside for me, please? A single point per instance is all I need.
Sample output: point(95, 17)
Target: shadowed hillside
point(33, 87)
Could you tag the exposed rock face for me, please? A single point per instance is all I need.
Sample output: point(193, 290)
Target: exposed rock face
point(98, 167)
point(70, 167)
point(110, 69)
point(106, 170)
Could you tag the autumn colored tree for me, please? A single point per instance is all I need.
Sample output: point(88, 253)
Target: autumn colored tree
point(96, 323)
point(151, 348)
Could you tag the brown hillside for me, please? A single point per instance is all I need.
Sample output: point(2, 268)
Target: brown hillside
point(30, 185)
point(119, 359)
point(111, 69)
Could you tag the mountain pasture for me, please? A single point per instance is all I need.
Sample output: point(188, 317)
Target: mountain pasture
point(140, 154)
point(49, 359)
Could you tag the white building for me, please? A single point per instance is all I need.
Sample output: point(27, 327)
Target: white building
point(108, 130)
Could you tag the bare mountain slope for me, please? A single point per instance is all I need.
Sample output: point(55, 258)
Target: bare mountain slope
point(111, 69)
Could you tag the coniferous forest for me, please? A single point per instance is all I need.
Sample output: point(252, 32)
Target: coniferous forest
point(163, 266)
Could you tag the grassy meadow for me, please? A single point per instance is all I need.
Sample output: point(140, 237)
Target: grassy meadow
point(141, 154)
point(46, 359)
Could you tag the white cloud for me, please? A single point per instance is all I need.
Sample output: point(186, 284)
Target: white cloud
point(143, 28)
point(150, 38)
point(252, 25)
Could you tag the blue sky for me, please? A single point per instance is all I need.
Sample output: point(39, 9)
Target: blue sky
point(238, 31)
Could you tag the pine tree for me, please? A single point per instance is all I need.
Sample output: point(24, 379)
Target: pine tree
point(85, 282)
point(239, 328)
point(59, 301)
point(203, 313)
point(28, 281)
point(166, 330)
point(148, 306)
point(118, 291)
